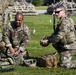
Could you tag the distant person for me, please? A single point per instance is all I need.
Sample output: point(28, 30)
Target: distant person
point(8, 11)
point(63, 39)
point(15, 39)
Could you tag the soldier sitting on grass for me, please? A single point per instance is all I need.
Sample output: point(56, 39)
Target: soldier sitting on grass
point(15, 39)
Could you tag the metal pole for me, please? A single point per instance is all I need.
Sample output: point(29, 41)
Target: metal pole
point(54, 1)
point(31, 1)
point(71, 0)
point(54, 16)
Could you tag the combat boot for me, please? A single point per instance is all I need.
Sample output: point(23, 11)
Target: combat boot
point(3, 64)
point(25, 54)
point(71, 64)
point(10, 60)
point(6, 62)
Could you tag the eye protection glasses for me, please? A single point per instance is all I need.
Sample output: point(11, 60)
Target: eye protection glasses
point(57, 11)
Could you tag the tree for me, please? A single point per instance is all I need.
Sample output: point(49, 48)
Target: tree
point(38, 2)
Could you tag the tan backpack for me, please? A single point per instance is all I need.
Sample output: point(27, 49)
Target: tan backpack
point(48, 61)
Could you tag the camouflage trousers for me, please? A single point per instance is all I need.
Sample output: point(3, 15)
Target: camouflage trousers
point(19, 59)
point(12, 59)
point(67, 59)
point(7, 16)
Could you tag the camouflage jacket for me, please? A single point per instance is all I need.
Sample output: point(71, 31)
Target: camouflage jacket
point(16, 36)
point(1, 6)
point(10, 2)
point(65, 32)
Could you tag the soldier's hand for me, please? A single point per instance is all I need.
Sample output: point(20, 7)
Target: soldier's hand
point(44, 43)
point(17, 52)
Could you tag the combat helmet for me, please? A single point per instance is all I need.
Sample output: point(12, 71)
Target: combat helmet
point(30, 62)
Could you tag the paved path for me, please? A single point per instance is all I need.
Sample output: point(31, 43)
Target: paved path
point(41, 11)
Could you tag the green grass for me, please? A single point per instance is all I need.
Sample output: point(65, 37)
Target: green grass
point(43, 27)
point(41, 7)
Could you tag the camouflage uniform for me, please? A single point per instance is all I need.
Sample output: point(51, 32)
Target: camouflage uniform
point(17, 37)
point(8, 10)
point(1, 17)
point(64, 42)
point(10, 5)
point(3, 5)
point(1, 12)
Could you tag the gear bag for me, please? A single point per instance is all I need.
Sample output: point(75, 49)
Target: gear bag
point(48, 61)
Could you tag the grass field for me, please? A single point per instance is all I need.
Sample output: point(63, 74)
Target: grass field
point(43, 27)
point(41, 7)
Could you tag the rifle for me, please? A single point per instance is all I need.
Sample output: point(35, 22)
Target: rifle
point(54, 20)
point(54, 16)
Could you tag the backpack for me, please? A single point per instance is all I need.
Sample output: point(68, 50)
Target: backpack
point(49, 61)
